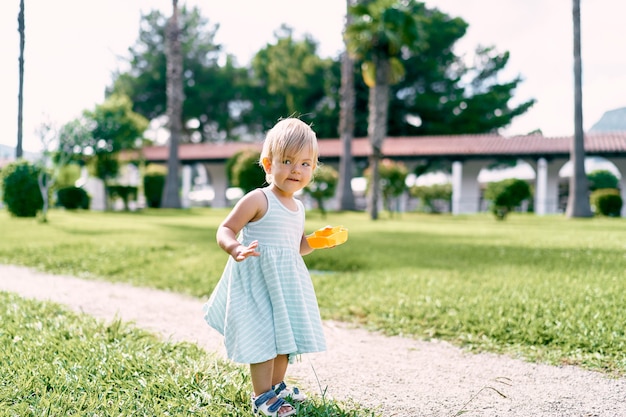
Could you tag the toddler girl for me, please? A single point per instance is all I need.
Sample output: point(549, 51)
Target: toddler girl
point(265, 304)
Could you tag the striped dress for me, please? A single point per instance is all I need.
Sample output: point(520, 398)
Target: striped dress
point(266, 305)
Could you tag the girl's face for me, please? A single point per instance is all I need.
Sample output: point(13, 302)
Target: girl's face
point(291, 172)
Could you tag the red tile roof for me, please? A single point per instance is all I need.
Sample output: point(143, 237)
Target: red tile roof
point(458, 146)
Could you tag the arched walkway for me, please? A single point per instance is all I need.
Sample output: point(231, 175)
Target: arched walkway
point(467, 154)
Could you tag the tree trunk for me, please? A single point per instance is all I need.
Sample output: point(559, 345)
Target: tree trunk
point(45, 184)
point(377, 128)
point(171, 193)
point(346, 124)
point(20, 95)
point(578, 199)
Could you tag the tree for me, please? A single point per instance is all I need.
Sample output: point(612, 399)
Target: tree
point(346, 123)
point(98, 137)
point(20, 94)
point(431, 197)
point(175, 97)
point(578, 198)
point(113, 126)
point(393, 181)
point(381, 30)
point(288, 78)
point(440, 93)
point(50, 164)
point(602, 178)
point(323, 186)
point(212, 91)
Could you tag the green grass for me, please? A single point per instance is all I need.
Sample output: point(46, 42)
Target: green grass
point(54, 362)
point(542, 288)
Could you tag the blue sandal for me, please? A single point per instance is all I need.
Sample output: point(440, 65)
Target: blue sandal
point(260, 405)
point(293, 393)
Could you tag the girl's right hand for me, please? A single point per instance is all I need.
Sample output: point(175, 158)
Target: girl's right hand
point(241, 252)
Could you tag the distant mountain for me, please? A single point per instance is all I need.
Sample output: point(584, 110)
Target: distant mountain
point(611, 121)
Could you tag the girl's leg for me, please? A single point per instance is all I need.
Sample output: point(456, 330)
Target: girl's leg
point(261, 376)
point(280, 369)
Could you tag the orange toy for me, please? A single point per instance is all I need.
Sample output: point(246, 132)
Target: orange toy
point(327, 237)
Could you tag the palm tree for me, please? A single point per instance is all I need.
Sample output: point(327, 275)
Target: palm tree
point(20, 94)
point(346, 123)
point(175, 97)
point(381, 31)
point(578, 199)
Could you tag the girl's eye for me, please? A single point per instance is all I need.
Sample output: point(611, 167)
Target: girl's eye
point(287, 162)
point(306, 164)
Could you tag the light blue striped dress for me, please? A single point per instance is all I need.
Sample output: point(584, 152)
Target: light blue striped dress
point(266, 305)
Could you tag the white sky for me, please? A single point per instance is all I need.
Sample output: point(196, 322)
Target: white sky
point(72, 47)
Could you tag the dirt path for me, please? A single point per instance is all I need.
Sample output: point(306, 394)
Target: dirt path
point(403, 377)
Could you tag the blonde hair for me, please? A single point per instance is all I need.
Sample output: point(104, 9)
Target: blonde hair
point(289, 136)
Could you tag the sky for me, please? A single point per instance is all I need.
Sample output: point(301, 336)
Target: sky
point(73, 47)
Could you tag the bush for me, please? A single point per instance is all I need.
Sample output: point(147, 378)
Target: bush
point(21, 190)
point(606, 202)
point(127, 193)
point(245, 171)
point(153, 184)
point(505, 195)
point(73, 198)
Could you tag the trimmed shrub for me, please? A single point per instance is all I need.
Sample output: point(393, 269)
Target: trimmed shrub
point(606, 202)
point(153, 184)
point(505, 195)
point(127, 193)
point(73, 198)
point(21, 192)
point(245, 171)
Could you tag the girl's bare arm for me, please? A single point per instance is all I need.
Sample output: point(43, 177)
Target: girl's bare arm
point(250, 208)
point(305, 249)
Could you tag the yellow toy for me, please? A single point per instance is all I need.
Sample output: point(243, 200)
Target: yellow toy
point(327, 237)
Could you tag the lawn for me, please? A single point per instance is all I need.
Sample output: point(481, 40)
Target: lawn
point(545, 289)
point(57, 363)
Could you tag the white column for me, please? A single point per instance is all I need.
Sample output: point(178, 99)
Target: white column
point(186, 203)
point(552, 190)
point(457, 180)
point(541, 187)
point(219, 182)
point(465, 187)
